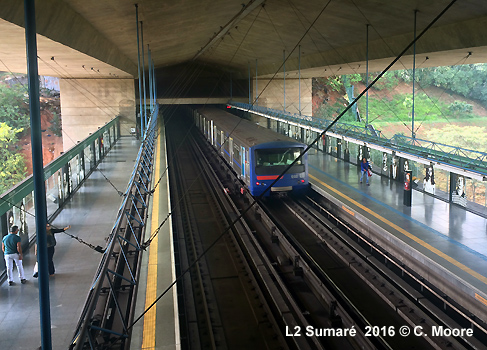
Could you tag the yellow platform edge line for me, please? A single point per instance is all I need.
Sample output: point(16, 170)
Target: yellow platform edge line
point(149, 332)
point(406, 233)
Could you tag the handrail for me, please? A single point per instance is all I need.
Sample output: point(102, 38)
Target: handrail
point(459, 159)
point(105, 316)
point(26, 186)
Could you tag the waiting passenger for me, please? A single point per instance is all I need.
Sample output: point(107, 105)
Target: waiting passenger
point(365, 168)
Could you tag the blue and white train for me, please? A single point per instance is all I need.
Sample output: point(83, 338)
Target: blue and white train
point(258, 155)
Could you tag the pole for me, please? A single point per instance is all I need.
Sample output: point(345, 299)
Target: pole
point(154, 95)
point(256, 86)
point(299, 79)
point(284, 66)
point(149, 62)
point(413, 134)
point(367, 81)
point(138, 65)
point(155, 83)
point(250, 102)
point(143, 75)
point(38, 173)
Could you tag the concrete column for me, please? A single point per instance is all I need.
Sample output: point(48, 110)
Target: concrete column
point(273, 95)
point(87, 104)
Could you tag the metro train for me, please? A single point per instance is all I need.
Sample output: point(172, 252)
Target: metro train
point(258, 155)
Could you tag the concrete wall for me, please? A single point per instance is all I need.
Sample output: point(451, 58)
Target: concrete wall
point(87, 104)
point(272, 95)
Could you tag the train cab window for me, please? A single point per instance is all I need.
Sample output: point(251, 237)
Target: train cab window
point(276, 160)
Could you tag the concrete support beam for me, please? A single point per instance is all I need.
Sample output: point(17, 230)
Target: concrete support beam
point(271, 95)
point(196, 100)
point(87, 104)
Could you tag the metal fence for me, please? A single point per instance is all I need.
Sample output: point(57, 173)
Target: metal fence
point(63, 176)
point(108, 310)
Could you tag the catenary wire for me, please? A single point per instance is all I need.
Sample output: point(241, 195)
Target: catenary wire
point(292, 164)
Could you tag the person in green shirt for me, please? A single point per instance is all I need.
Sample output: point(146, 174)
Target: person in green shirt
point(12, 250)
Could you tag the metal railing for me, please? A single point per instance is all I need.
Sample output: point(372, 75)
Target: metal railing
point(63, 176)
point(108, 310)
point(458, 158)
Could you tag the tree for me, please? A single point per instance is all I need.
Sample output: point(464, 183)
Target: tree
point(14, 106)
point(13, 168)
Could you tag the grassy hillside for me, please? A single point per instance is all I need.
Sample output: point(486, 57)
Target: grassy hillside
point(439, 115)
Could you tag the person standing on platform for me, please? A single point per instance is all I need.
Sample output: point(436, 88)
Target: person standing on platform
point(365, 167)
point(12, 250)
point(51, 243)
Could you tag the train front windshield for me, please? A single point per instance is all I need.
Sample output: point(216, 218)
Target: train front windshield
point(273, 161)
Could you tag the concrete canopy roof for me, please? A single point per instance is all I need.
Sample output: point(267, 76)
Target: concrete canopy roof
point(97, 38)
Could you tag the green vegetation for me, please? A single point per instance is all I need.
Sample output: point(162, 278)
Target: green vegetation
point(399, 109)
point(13, 164)
point(468, 80)
point(454, 123)
point(14, 119)
point(56, 127)
point(14, 106)
point(14, 124)
point(388, 81)
point(469, 137)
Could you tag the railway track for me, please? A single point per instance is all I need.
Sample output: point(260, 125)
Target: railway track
point(387, 303)
point(225, 295)
point(297, 280)
point(378, 268)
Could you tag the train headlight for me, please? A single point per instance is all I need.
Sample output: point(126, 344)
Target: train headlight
point(257, 183)
point(302, 181)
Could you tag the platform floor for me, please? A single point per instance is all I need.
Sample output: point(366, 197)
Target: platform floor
point(159, 329)
point(448, 234)
point(91, 213)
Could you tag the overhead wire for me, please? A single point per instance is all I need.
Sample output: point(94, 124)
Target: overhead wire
point(335, 73)
point(73, 83)
point(292, 164)
point(242, 213)
point(435, 105)
point(231, 132)
point(96, 248)
point(171, 160)
point(26, 89)
point(189, 129)
point(421, 87)
point(297, 159)
point(388, 104)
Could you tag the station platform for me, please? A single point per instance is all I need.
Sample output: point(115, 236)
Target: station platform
point(449, 239)
point(91, 212)
point(431, 235)
point(159, 328)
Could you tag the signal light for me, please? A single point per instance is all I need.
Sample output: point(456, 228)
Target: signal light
point(302, 180)
point(257, 183)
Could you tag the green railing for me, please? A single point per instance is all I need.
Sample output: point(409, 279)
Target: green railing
point(456, 157)
point(62, 177)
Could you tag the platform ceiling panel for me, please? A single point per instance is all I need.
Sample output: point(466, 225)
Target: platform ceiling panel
point(231, 35)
